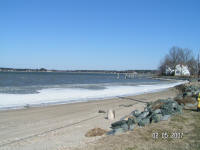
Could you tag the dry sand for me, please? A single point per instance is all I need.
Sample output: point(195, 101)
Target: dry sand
point(64, 126)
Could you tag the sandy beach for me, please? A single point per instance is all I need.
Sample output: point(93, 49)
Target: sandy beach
point(64, 126)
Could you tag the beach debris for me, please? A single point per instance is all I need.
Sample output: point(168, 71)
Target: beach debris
point(95, 132)
point(111, 114)
point(102, 111)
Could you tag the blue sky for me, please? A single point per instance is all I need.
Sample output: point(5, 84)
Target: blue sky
point(95, 34)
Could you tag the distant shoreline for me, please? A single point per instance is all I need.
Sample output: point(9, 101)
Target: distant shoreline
point(77, 71)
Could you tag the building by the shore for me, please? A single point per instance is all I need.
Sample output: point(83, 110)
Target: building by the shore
point(180, 70)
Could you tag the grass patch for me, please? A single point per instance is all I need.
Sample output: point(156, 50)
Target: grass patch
point(95, 132)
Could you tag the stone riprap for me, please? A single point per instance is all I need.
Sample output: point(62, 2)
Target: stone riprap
point(160, 110)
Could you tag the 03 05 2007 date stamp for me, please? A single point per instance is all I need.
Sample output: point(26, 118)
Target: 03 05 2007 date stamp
point(166, 135)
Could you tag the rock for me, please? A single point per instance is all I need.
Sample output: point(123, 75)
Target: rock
point(138, 119)
point(131, 127)
point(118, 124)
point(111, 114)
point(157, 111)
point(125, 127)
point(131, 121)
point(144, 122)
point(165, 117)
point(174, 105)
point(189, 93)
point(169, 108)
point(156, 118)
point(154, 112)
point(118, 131)
point(179, 109)
point(111, 132)
point(143, 114)
point(125, 124)
point(135, 113)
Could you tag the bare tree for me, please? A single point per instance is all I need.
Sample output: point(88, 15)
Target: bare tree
point(179, 56)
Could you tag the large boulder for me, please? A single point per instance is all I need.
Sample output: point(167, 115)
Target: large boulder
point(135, 113)
point(144, 114)
point(118, 124)
point(157, 111)
point(156, 118)
point(125, 124)
point(165, 117)
point(144, 122)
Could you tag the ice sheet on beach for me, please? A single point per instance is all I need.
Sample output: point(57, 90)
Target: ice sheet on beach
point(70, 95)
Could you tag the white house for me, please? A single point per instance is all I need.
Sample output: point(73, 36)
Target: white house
point(180, 70)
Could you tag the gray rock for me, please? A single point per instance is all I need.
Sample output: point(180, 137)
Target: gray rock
point(125, 127)
point(174, 105)
point(118, 131)
point(131, 127)
point(179, 96)
point(156, 118)
point(144, 122)
point(125, 124)
point(157, 111)
point(121, 130)
point(138, 119)
point(165, 117)
point(189, 93)
point(144, 114)
point(111, 132)
point(135, 113)
point(131, 120)
point(146, 109)
point(118, 124)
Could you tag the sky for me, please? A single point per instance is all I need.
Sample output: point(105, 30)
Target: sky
point(95, 34)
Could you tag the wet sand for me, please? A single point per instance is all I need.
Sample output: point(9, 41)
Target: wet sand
point(64, 126)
